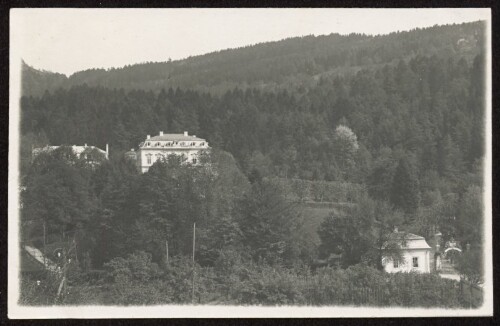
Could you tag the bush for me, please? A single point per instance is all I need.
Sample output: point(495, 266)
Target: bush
point(138, 293)
point(136, 267)
point(40, 290)
point(135, 280)
point(358, 285)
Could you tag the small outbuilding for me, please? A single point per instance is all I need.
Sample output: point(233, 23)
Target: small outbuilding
point(414, 252)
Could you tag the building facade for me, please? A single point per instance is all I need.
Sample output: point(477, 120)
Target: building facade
point(160, 147)
point(415, 254)
point(91, 154)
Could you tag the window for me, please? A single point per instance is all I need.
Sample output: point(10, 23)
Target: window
point(194, 161)
point(415, 261)
point(148, 157)
point(396, 264)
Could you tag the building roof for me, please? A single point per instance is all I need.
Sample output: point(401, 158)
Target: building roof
point(80, 149)
point(175, 137)
point(405, 236)
point(409, 240)
point(76, 149)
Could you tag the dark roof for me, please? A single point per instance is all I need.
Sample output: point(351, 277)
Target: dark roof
point(405, 235)
point(174, 137)
point(408, 240)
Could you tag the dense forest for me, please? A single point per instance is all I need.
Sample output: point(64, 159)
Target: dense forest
point(288, 64)
point(391, 128)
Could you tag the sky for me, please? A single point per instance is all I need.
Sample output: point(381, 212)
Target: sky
point(70, 40)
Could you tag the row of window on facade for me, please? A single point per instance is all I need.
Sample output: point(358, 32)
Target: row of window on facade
point(149, 158)
point(168, 144)
point(414, 263)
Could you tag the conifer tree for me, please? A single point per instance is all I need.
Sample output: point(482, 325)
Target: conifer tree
point(405, 192)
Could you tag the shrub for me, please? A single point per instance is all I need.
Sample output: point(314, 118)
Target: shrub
point(136, 267)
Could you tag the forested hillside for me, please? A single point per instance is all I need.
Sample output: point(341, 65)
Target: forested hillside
point(428, 110)
point(388, 128)
point(288, 64)
point(36, 82)
point(424, 117)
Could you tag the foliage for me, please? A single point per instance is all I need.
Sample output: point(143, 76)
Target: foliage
point(405, 188)
point(293, 63)
point(291, 134)
point(171, 197)
point(238, 281)
point(361, 233)
point(346, 146)
point(299, 190)
point(470, 266)
point(58, 194)
point(269, 223)
point(470, 215)
point(38, 290)
point(363, 128)
point(137, 266)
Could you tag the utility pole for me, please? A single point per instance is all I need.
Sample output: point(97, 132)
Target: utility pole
point(44, 246)
point(166, 248)
point(76, 247)
point(60, 289)
point(194, 239)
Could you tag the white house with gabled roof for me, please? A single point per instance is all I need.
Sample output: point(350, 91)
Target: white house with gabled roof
point(415, 254)
point(161, 146)
point(91, 154)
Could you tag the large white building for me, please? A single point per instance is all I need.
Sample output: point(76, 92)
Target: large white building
point(415, 254)
point(161, 146)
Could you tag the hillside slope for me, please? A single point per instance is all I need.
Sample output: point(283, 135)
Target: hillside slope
point(290, 63)
point(36, 82)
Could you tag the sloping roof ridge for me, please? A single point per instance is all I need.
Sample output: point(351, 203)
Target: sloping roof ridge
point(39, 256)
point(169, 137)
point(407, 235)
point(414, 235)
point(409, 241)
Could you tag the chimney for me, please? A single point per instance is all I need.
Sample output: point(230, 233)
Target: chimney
point(85, 145)
point(148, 136)
point(107, 151)
point(131, 149)
point(395, 229)
point(194, 136)
point(161, 133)
point(185, 133)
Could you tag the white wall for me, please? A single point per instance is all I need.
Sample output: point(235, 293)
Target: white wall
point(424, 261)
point(142, 161)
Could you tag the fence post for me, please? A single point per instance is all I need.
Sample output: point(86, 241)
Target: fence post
point(194, 239)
